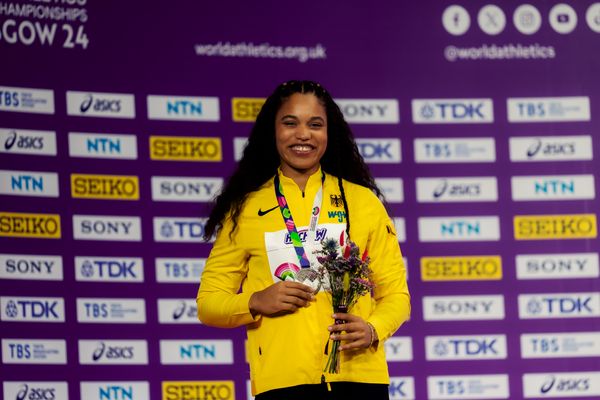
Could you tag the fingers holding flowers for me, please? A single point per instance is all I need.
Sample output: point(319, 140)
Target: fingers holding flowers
point(354, 332)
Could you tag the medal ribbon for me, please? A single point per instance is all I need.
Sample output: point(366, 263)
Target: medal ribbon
point(289, 221)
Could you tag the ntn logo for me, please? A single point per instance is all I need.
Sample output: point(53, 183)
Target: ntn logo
point(184, 107)
point(554, 186)
point(116, 392)
point(103, 145)
point(27, 182)
point(460, 228)
point(198, 351)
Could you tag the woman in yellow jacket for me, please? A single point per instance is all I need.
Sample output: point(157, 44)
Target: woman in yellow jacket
point(301, 153)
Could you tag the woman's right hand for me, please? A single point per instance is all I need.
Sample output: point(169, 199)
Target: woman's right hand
point(280, 298)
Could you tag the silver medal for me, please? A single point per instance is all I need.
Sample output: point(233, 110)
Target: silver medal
point(309, 277)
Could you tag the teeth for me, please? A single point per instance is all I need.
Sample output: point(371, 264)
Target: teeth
point(302, 148)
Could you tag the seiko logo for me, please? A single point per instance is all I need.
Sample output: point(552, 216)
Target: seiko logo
point(30, 225)
point(112, 352)
point(100, 105)
point(529, 227)
point(196, 390)
point(117, 187)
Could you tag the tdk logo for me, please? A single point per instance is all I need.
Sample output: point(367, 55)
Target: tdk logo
point(111, 105)
point(559, 305)
point(550, 148)
point(113, 352)
point(203, 352)
point(545, 109)
point(179, 229)
point(179, 270)
point(377, 151)
point(452, 111)
point(95, 145)
point(402, 388)
point(106, 269)
point(33, 309)
point(21, 141)
point(465, 347)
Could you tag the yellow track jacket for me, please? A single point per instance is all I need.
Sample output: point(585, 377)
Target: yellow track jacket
point(288, 350)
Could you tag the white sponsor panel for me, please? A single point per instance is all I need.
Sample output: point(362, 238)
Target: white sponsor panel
point(463, 308)
point(117, 390)
point(103, 145)
point(398, 348)
point(459, 229)
point(465, 347)
point(551, 148)
point(30, 390)
point(17, 99)
point(400, 225)
point(29, 183)
point(559, 305)
point(548, 109)
point(179, 188)
point(370, 111)
point(468, 387)
point(94, 104)
point(380, 150)
point(557, 266)
point(31, 267)
point(553, 187)
point(561, 384)
point(239, 144)
point(458, 150)
point(179, 270)
point(177, 311)
point(452, 111)
point(32, 309)
point(109, 269)
point(196, 352)
point(183, 108)
point(561, 344)
point(107, 227)
point(392, 189)
point(171, 229)
point(113, 352)
point(25, 141)
point(463, 189)
point(111, 311)
point(402, 388)
point(34, 351)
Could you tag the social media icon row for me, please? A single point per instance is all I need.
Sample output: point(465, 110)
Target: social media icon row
point(526, 18)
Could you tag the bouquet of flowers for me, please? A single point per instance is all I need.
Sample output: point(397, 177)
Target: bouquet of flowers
point(347, 274)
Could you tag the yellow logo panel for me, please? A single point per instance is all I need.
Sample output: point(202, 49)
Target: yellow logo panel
point(574, 226)
point(30, 225)
point(198, 390)
point(110, 187)
point(466, 268)
point(184, 148)
point(245, 109)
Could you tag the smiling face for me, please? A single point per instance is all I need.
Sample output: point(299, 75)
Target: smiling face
point(301, 135)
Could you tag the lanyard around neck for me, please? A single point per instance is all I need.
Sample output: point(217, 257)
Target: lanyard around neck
point(291, 226)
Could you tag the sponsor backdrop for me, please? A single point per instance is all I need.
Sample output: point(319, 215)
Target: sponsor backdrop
point(121, 120)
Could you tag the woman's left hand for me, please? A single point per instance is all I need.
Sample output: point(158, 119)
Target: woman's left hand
point(357, 333)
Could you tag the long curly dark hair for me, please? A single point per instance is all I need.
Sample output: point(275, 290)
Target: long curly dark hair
point(260, 159)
